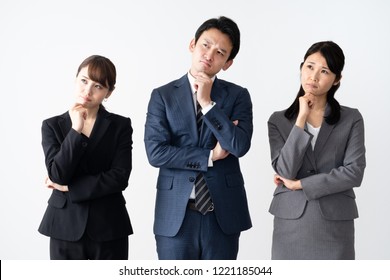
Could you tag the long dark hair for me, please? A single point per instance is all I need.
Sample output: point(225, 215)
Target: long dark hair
point(335, 59)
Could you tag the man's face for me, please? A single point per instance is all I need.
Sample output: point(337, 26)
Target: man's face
point(211, 52)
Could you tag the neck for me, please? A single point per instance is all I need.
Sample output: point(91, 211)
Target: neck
point(92, 113)
point(319, 104)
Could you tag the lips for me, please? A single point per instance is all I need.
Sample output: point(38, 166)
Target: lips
point(313, 86)
point(205, 63)
point(85, 99)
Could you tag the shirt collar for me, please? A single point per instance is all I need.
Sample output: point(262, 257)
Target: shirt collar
point(191, 79)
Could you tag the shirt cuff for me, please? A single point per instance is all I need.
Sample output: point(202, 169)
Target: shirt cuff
point(208, 107)
point(211, 159)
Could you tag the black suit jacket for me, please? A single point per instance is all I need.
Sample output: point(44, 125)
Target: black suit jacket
point(96, 171)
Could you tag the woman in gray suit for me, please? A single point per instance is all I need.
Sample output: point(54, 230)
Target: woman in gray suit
point(318, 154)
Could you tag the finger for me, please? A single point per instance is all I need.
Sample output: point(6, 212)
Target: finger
point(76, 106)
point(200, 75)
point(235, 122)
point(84, 114)
point(309, 97)
point(48, 181)
point(277, 180)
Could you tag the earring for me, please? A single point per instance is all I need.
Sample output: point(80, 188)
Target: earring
point(105, 99)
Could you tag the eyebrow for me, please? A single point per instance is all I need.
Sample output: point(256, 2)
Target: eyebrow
point(223, 50)
point(88, 78)
point(210, 42)
point(323, 67)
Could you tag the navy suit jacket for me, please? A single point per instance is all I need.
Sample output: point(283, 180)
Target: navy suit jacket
point(96, 170)
point(174, 145)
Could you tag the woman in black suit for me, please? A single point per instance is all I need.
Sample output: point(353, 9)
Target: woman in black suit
point(88, 159)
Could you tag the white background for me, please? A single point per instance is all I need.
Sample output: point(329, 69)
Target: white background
point(43, 42)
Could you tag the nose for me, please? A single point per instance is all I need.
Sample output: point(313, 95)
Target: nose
point(209, 54)
point(314, 76)
point(88, 90)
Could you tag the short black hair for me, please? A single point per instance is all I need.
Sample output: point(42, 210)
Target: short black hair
point(226, 26)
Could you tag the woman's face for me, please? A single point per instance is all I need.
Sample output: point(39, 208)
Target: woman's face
point(88, 92)
point(316, 77)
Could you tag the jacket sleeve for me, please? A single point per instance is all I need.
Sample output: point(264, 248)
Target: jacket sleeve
point(236, 139)
point(288, 146)
point(62, 155)
point(166, 150)
point(64, 164)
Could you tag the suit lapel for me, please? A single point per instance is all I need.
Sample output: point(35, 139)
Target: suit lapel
point(310, 154)
point(99, 129)
point(325, 131)
point(185, 104)
point(65, 124)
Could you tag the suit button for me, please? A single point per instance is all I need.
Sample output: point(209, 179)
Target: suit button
point(311, 171)
point(84, 144)
point(192, 179)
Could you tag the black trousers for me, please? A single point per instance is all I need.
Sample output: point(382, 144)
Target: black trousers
point(88, 249)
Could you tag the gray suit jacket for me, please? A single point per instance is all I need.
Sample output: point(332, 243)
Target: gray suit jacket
point(329, 173)
point(174, 146)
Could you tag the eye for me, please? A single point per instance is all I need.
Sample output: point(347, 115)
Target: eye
point(98, 86)
point(324, 71)
point(309, 66)
point(206, 44)
point(220, 53)
point(84, 81)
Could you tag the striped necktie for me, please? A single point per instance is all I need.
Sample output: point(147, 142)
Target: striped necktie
point(202, 195)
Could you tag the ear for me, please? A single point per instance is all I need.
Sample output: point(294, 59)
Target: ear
point(227, 65)
point(192, 45)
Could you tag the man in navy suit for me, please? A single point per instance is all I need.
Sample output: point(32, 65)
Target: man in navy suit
point(183, 151)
